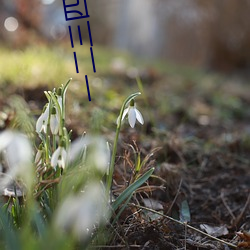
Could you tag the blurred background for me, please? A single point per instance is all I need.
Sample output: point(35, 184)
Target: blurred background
point(192, 56)
point(212, 34)
point(192, 59)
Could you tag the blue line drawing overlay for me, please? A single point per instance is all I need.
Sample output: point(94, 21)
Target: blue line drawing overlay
point(80, 14)
point(76, 62)
point(93, 61)
point(87, 84)
point(71, 39)
point(90, 37)
point(80, 35)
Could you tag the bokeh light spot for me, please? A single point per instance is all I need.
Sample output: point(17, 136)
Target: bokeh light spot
point(11, 24)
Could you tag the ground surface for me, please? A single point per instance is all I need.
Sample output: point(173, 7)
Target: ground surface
point(198, 126)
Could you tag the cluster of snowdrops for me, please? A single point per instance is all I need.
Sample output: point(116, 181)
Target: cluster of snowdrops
point(66, 186)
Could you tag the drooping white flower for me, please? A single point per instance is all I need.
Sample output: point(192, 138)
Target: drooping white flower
point(98, 152)
point(39, 155)
point(59, 157)
point(133, 114)
point(42, 122)
point(54, 121)
point(17, 152)
point(59, 97)
point(79, 214)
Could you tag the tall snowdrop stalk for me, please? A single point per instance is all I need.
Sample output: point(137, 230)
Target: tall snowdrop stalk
point(118, 127)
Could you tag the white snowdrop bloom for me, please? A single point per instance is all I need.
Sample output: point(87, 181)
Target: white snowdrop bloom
point(54, 121)
point(59, 99)
point(59, 157)
point(98, 152)
point(80, 214)
point(42, 122)
point(17, 152)
point(39, 155)
point(133, 114)
point(99, 155)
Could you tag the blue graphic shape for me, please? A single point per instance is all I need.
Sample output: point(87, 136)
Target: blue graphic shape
point(76, 62)
point(90, 37)
point(79, 14)
point(80, 35)
point(87, 84)
point(71, 39)
point(93, 60)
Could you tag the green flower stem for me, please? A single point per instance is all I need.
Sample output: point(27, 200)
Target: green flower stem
point(54, 142)
point(112, 164)
point(65, 87)
point(52, 95)
point(47, 137)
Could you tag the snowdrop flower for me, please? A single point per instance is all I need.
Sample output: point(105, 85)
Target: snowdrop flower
point(59, 97)
point(98, 152)
point(54, 121)
point(133, 114)
point(39, 154)
point(17, 152)
point(79, 214)
point(59, 157)
point(42, 122)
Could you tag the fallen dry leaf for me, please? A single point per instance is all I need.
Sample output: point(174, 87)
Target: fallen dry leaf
point(214, 230)
point(245, 236)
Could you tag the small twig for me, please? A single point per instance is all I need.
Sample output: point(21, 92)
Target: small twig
point(184, 224)
point(239, 217)
point(175, 198)
point(116, 246)
point(227, 207)
point(185, 242)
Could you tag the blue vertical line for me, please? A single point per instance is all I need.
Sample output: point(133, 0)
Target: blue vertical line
point(90, 37)
point(71, 39)
point(87, 84)
point(93, 61)
point(86, 8)
point(76, 62)
point(80, 36)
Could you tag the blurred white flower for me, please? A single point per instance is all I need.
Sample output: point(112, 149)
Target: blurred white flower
point(17, 152)
point(98, 152)
point(54, 121)
point(59, 157)
point(80, 214)
point(42, 121)
point(39, 154)
point(133, 114)
point(99, 155)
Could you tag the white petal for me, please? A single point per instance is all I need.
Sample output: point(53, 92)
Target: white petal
point(39, 123)
point(5, 139)
point(54, 124)
point(125, 112)
point(139, 116)
point(63, 158)
point(132, 117)
point(44, 127)
point(59, 99)
point(38, 156)
point(46, 113)
point(55, 156)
